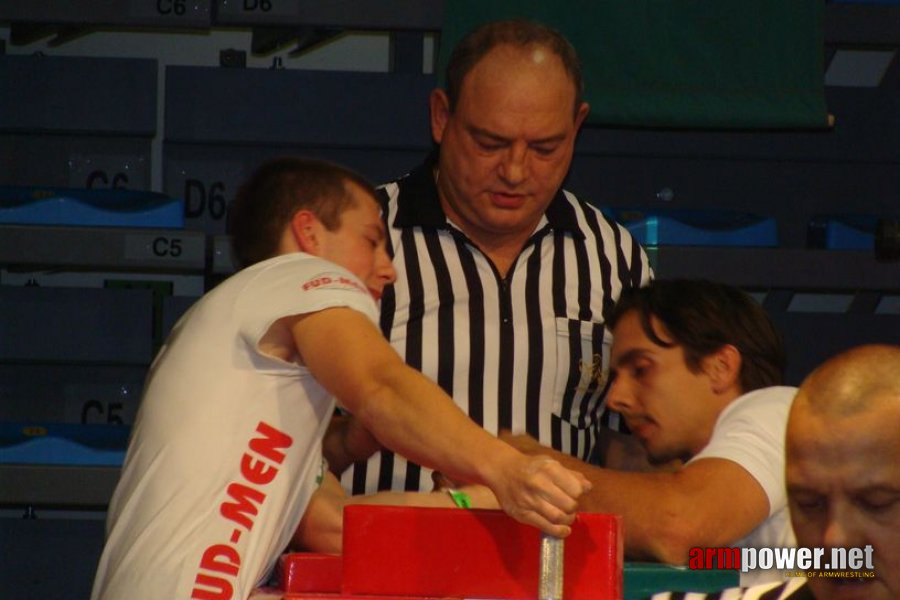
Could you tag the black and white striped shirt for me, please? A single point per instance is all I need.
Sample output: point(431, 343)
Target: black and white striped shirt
point(528, 352)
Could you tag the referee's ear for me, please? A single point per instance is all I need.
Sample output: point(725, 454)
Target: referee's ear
point(581, 114)
point(439, 105)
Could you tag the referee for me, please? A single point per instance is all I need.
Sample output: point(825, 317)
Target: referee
point(504, 279)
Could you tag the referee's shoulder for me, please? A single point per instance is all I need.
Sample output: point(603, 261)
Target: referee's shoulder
point(589, 209)
point(388, 189)
point(594, 219)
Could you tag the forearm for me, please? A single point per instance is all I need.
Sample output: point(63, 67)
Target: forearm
point(613, 494)
point(713, 502)
point(479, 497)
point(321, 528)
point(656, 512)
point(667, 512)
point(429, 429)
point(411, 415)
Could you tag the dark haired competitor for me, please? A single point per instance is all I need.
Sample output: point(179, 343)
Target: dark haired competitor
point(697, 367)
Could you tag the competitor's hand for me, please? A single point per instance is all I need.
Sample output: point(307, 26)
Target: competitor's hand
point(346, 442)
point(441, 482)
point(539, 491)
point(358, 441)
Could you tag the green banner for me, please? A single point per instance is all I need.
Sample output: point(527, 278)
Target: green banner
point(708, 64)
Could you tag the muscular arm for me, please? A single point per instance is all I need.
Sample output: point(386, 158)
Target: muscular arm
point(710, 502)
point(409, 414)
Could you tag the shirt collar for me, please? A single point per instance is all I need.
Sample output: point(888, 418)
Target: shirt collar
point(418, 204)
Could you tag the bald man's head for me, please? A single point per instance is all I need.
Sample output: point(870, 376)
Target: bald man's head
point(851, 381)
point(843, 466)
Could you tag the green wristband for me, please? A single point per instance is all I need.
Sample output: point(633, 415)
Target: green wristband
point(461, 499)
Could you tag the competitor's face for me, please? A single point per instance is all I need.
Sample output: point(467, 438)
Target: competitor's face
point(668, 407)
point(843, 483)
point(358, 244)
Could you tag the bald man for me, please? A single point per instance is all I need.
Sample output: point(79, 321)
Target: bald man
point(843, 474)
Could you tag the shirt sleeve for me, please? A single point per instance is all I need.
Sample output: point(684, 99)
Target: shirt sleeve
point(298, 286)
point(751, 433)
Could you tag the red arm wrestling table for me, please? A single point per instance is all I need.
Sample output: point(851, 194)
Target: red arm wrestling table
point(415, 553)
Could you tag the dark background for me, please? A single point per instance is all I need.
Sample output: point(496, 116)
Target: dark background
point(194, 131)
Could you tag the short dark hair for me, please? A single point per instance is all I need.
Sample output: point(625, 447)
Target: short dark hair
point(521, 33)
point(702, 316)
point(267, 201)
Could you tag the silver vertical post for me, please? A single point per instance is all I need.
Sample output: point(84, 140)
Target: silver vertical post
point(550, 586)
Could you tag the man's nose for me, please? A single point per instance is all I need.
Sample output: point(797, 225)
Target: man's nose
point(385, 268)
point(514, 166)
point(840, 528)
point(619, 397)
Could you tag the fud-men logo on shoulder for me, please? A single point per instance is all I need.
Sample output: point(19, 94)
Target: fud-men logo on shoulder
point(332, 281)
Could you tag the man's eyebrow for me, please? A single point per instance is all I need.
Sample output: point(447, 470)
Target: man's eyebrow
point(630, 357)
point(876, 487)
point(800, 488)
point(856, 491)
point(379, 228)
point(488, 134)
point(552, 139)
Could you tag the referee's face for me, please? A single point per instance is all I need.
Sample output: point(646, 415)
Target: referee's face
point(507, 144)
point(670, 408)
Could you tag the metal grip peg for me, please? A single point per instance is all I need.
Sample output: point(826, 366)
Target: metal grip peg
point(550, 586)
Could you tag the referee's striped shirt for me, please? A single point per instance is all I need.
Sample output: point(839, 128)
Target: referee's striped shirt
point(527, 352)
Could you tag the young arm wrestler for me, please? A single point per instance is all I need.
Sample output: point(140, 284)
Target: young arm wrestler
point(359, 367)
